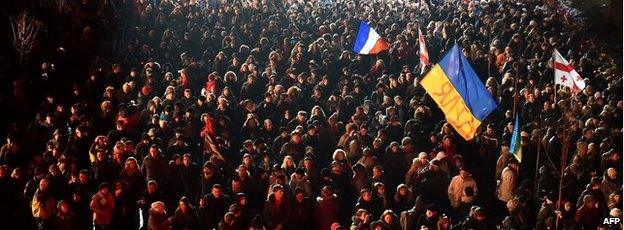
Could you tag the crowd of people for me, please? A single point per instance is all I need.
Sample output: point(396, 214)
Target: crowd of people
point(257, 115)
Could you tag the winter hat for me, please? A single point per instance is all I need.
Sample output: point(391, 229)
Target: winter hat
point(433, 208)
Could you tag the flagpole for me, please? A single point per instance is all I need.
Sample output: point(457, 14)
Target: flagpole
point(564, 156)
point(489, 55)
point(537, 161)
point(515, 94)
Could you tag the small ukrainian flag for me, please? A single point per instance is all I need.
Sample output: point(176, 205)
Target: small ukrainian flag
point(459, 92)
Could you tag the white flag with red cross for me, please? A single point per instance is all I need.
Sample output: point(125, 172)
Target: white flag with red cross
point(424, 54)
point(566, 75)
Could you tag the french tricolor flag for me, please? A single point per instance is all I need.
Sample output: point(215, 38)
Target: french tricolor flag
point(368, 41)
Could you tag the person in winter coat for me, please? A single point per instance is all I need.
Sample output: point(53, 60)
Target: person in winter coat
point(276, 208)
point(294, 148)
point(300, 179)
point(456, 190)
point(215, 204)
point(508, 182)
point(370, 203)
point(327, 208)
point(435, 183)
point(302, 211)
point(594, 189)
point(610, 182)
point(418, 164)
point(149, 196)
point(154, 166)
point(157, 219)
point(361, 179)
point(444, 223)
point(389, 221)
point(185, 216)
point(502, 161)
point(517, 215)
point(475, 220)
point(402, 198)
point(43, 205)
point(430, 218)
point(409, 218)
point(368, 160)
point(361, 220)
point(589, 214)
point(65, 218)
point(103, 205)
point(229, 222)
point(547, 211)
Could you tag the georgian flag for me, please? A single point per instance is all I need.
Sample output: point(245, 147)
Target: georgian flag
point(424, 54)
point(566, 75)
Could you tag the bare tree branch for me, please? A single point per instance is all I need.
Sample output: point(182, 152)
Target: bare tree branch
point(24, 29)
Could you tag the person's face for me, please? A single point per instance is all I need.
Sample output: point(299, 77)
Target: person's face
point(159, 208)
point(236, 185)
point(153, 152)
point(300, 197)
point(403, 191)
point(381, 190)
point(101, 155)
point(447, 141)
point(64, 208)
point(43, 185)
point(216, 192)
point(366, 196)
point(363, 131)
point(388, 219)
point(83, 178)
point(78, 133)
point(296, 138)
point(247, 161)
point(207, 171)
point(567, 206)
point(430, 213)
point(463, 174)
point(131, 165)
point(279, 194)
point(151, 188)
point(182, 206)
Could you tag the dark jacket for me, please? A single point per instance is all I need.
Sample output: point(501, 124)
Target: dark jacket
point(301, 215)
point(327, 212)
point(274, 214)
point(65, 222)
point(154, 169)
point(185, 220)
point(214, 210)
point(157, 221)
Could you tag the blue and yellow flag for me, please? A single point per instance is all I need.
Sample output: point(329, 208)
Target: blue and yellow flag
point(459, 92)
point(515, 148)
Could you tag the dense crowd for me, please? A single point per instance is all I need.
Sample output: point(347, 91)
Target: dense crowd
point(257, 115)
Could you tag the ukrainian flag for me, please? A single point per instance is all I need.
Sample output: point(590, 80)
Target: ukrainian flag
point(457, 90)
point(515, 148)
